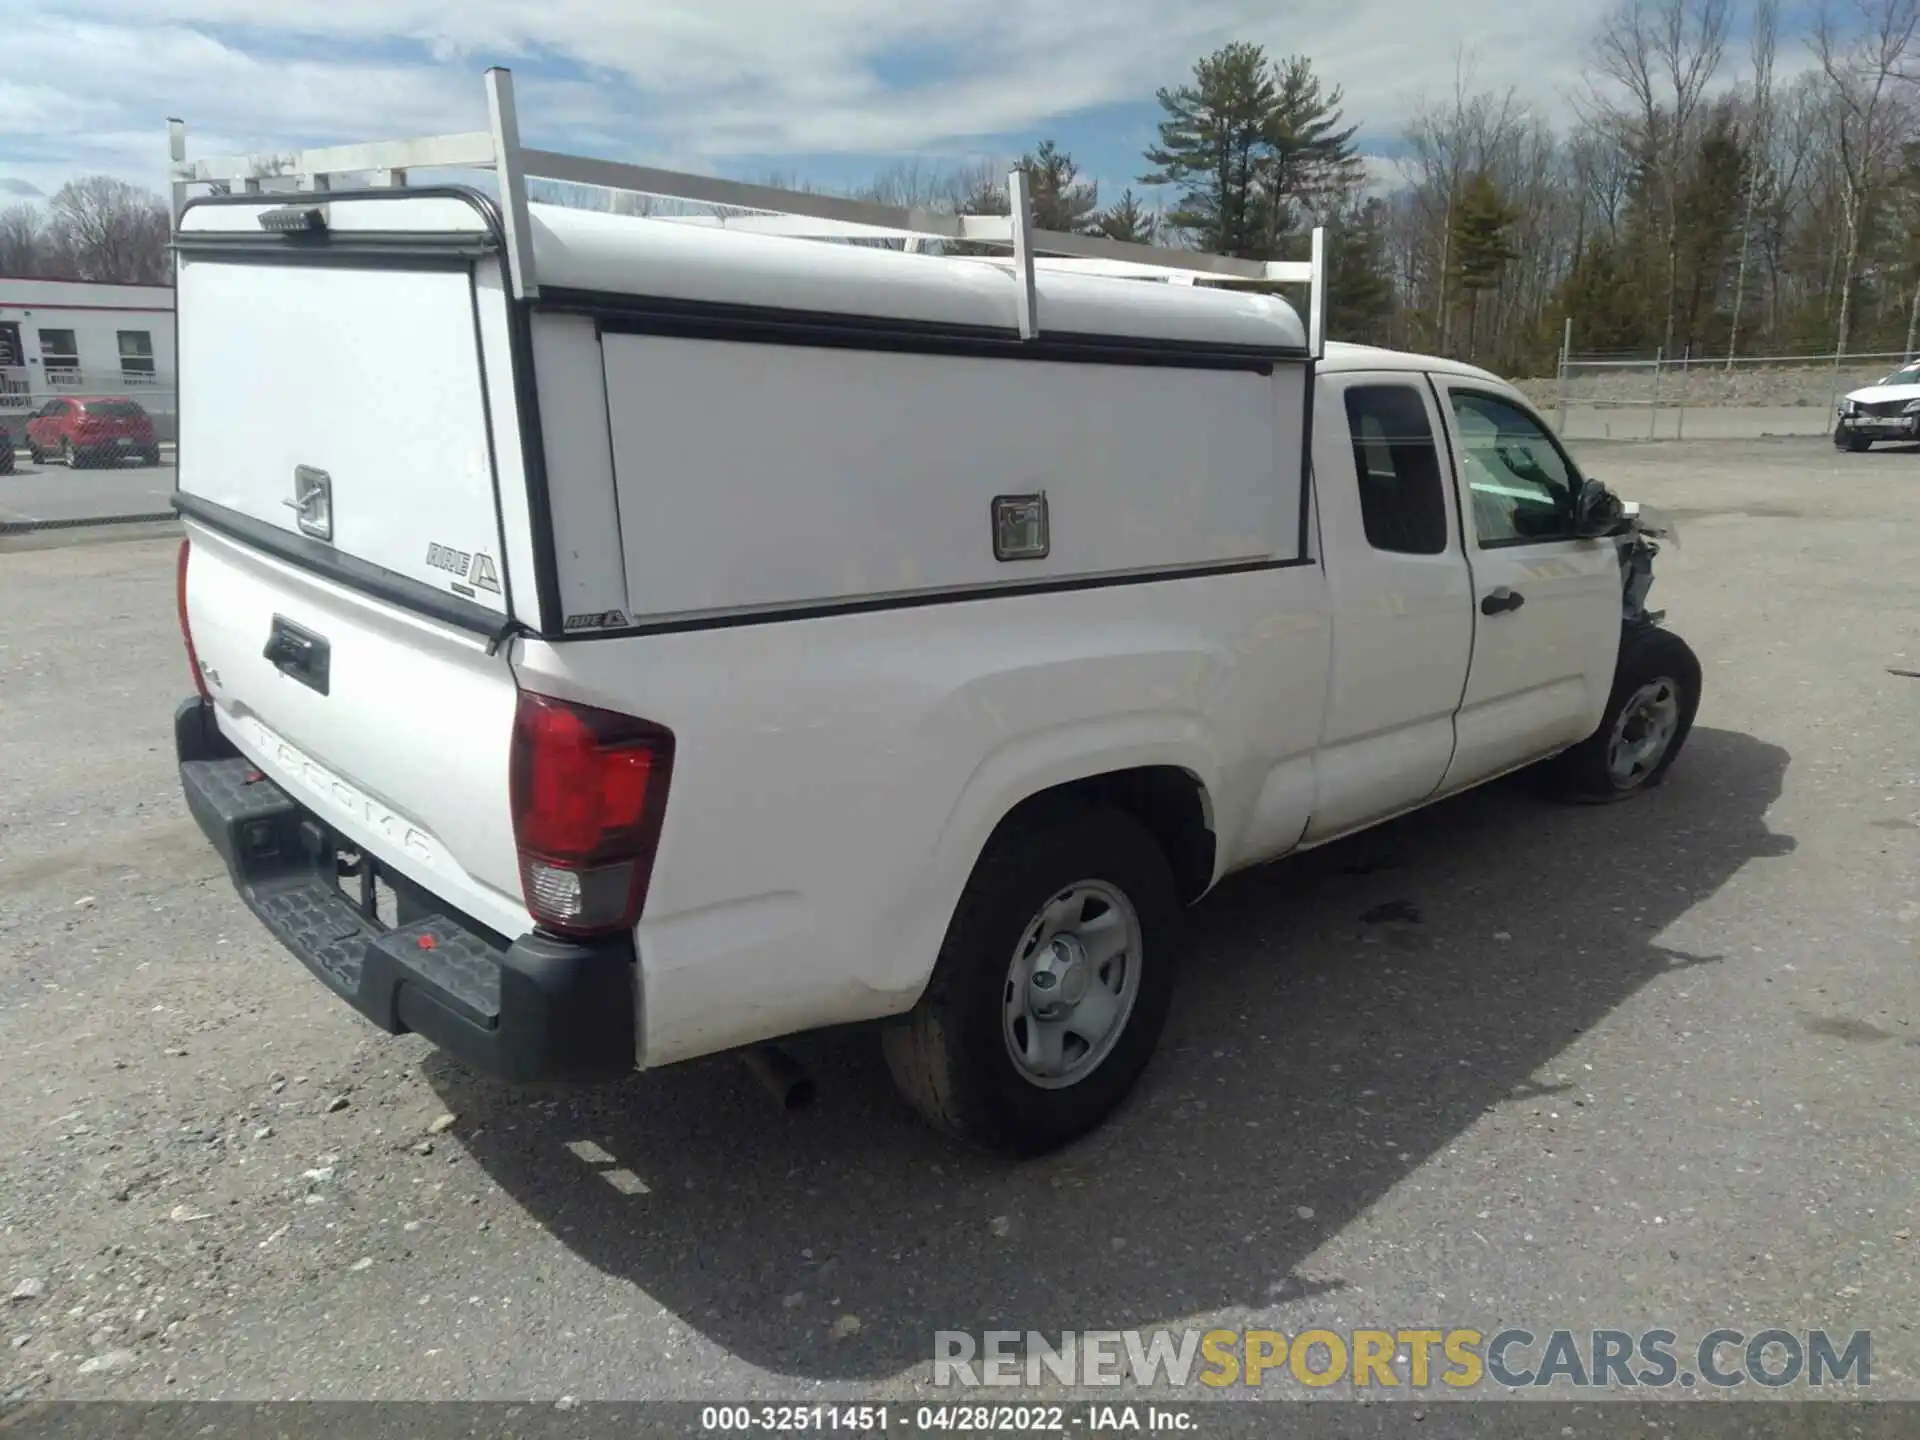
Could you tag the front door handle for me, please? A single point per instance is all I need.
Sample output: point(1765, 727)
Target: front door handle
point(1500, 599)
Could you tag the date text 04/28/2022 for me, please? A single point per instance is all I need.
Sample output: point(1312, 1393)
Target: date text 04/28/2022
point(960, 1418)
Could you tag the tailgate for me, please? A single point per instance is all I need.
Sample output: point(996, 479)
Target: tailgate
point(398, 740)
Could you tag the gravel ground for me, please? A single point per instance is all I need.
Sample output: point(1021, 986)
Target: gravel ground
point(1497, 1063)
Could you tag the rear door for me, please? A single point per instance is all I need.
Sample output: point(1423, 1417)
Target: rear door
point(1403, 608)
point(1546, 603)
point(345, 405)
point(343, 400)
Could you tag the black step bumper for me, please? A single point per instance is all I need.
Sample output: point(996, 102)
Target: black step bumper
point(536, 1008)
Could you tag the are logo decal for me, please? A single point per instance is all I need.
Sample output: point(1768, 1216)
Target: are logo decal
point(445, 557)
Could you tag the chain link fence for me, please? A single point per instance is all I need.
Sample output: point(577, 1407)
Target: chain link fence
point(1698, 397)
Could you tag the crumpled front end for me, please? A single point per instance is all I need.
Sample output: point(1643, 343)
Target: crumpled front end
point(1643, 525)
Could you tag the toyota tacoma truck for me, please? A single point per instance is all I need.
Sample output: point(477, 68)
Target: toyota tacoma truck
point(616, 640)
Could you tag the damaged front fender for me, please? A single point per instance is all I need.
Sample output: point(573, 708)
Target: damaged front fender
point(1641, 526)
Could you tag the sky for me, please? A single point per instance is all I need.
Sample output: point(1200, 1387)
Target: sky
point(832, 91)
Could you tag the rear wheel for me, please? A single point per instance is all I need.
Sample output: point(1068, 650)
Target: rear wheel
point(35, 454)
point(1052, 987)
point(69, 456)
point(1656, 693)
point(1850, 440)
point(150, 457)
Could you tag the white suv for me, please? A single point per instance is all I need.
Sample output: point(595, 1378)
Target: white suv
point(1888, 410)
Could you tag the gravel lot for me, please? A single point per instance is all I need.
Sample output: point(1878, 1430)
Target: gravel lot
point(1498, 1063)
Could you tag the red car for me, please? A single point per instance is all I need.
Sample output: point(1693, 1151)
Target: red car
point(87, 430)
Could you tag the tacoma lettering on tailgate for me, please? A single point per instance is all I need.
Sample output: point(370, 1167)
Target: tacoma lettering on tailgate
point(390, 827)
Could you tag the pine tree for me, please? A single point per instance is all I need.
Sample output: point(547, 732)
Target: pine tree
point(1061, 200)
point(1128, 219)
point(1481, 250)
point(1214, 142)
point(1360, 292)
point(1311, 165)
point(1711, 201)
point(1608, 313)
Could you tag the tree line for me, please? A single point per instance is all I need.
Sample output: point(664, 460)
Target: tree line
point(93, 228)
point(1721, 191)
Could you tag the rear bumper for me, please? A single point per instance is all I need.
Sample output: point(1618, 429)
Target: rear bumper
point(536, 1008)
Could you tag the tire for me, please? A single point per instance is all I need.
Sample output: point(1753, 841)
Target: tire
point(1649, 657)
point(69, 456)
point(34, 454)
point(952, 1055)
point(150, 458)
point(1846, 439)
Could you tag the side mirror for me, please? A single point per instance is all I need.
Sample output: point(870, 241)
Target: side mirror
point(1597, 511)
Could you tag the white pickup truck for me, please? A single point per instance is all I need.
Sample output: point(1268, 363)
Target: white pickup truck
point(617, 640)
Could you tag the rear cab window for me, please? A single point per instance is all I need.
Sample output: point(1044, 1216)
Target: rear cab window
point(1402, 493)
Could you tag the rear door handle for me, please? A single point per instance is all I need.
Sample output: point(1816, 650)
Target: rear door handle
point(1500, 599)
point(299, 654)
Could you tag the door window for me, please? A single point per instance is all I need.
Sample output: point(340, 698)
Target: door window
point(1403, 499)
point(1521, 484)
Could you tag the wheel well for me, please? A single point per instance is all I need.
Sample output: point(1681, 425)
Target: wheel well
point(1169, 801)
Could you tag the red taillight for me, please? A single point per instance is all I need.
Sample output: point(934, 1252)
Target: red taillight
point(589, 793)
point(186, 629)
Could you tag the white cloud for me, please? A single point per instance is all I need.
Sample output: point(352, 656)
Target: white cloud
point(698, 80)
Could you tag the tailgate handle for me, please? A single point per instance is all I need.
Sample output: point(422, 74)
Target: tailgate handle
point(299, 653)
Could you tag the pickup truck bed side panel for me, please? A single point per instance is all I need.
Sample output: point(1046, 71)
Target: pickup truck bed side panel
point(836, 778)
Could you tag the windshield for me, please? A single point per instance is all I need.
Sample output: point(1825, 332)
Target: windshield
point(1905, 375)
point(118, 409)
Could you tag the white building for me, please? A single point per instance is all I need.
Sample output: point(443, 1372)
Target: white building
point(66, 337)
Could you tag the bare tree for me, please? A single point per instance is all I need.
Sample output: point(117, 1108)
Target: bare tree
point(1862, 68)
point(1665, 55)
point(1764, 37)
point(1447, 144)
point(26, 250)
point(111, 230)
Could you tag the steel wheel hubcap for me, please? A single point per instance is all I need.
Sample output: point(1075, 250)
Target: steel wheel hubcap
point(1642, 732)
point(1071, 985)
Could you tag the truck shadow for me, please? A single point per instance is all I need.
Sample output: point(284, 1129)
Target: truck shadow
point(1343, 1018)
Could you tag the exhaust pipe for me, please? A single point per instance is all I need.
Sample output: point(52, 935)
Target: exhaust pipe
point(780, 1076)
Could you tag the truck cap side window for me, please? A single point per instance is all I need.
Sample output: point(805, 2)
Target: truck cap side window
point(1521, 484)
point(1402, 497)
